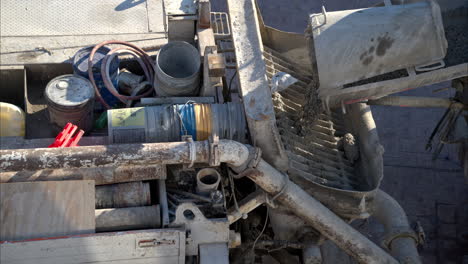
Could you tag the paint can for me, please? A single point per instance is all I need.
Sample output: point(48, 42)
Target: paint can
point(70, 99)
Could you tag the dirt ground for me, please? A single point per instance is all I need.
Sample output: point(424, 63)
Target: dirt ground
point(433, 193)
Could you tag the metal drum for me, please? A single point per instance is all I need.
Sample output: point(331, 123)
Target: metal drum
point(70, 98)
point(168, 123)
point(353, 45)
point(80, 67)
point(177, 69)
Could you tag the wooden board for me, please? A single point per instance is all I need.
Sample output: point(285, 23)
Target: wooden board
point(155, 246)
point(46, 209)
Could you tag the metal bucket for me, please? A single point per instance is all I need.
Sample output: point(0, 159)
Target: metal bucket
point(70, 98)
point(177, 69)
point(168, 123)
point(80, 67)
point(353, 45)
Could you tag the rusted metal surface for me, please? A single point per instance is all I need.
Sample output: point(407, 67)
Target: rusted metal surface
point(22, 143)
point(123, 195)
point(204, 14)
point(247, 205)
point(101, 176)
point(117, 219)
point(318, 216)
point(416, 101)
point(102, 156)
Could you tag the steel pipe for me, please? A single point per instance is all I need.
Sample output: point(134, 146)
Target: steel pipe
point(231, 152)
point(119, 219)
point(234, 153)
point(122, 195)
point(415, 101)
point(101, 176)
point(401, 240)
point(318, 216)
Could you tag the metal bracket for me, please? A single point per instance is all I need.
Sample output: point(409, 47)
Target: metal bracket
point(200, 229)
point(214, 160)
point(254, 158)
point(192, 149)
point(315, 16)
point(401, 232)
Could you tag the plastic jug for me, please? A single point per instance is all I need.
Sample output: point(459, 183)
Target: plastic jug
point(12, 120)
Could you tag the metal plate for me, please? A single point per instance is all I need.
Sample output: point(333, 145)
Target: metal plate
point(78, 17)
point(181, 7)
point(155, 246)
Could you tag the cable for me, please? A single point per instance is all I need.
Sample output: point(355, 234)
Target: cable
point(230, 82)
point(106, 75)
point(142, 57)
point(263, 230)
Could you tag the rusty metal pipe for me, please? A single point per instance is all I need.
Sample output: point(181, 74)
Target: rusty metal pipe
point(416, 101)
point(121, 195)
point(231, 152)
point(234, 153)
point(101, 156)
point(318, 216)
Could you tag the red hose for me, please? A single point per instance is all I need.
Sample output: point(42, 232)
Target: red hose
point(144, 57)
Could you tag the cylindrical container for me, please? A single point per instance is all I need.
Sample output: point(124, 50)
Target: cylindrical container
point(207, 180)
point(229, 121)
point(119, 219)
point(177, 69)
point(168, 123)
point(12, 121)
point(353, 45)
point(70, 99)
point(80, 67)
point(130, 194)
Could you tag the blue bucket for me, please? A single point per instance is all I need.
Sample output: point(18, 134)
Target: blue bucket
point(80, 67)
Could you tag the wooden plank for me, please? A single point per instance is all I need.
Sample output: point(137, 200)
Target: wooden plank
point(44, 209)
point(144, 246)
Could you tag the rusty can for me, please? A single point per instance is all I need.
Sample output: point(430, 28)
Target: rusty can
point(70, 99)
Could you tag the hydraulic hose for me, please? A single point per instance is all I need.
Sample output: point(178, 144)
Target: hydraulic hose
point(143, 57)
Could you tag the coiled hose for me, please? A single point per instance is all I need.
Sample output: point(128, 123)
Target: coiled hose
point(143, 59)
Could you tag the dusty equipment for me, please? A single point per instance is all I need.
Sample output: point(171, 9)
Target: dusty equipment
point(70, 99)
point(196, 168)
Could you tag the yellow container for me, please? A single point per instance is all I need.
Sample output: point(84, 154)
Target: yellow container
point(12, 121)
